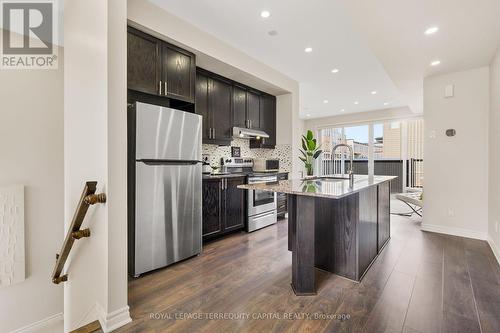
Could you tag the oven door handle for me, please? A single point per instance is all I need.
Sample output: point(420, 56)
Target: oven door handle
point(261, 216)
point(263, 180)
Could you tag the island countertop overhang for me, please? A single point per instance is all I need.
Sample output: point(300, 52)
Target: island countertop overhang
point(320, 186)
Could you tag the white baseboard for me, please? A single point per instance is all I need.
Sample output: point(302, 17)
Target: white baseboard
point(467, 233)
point(113, 320)
point(45, 325)
point(494, 248)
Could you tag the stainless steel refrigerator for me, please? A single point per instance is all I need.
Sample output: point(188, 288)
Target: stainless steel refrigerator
point(165, 213)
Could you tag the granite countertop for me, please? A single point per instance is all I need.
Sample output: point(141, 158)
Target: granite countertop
point(315, 187)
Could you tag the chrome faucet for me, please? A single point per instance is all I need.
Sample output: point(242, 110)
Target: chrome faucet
point(350, 173)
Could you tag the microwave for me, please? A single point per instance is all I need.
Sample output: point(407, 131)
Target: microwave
point(266, 165)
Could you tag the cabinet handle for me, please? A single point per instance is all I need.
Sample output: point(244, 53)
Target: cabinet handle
point(165, 86)
point(214, 133)
point(210, 133)
point(160, 86)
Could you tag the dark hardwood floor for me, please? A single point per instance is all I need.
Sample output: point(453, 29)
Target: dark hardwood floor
point(421, 282)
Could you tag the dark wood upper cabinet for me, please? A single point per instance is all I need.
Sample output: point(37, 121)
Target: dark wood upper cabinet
point(213, 103)
point(239, 107)
point(267, 122)
point(143, 62)
point(158, 68)
point(253, 109)
point(202, 104)
point(178, 73)
point(219, 97)
point(225, 104)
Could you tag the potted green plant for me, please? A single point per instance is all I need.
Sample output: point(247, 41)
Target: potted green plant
point(310, 151)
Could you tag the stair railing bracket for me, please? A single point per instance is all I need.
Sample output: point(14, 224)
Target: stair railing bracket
point(88, 198)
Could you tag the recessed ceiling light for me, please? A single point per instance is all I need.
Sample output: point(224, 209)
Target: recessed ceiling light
point(325, 101)
point(374, 92)
point(265, 14)
point(308, 49)
point(342, 110)
point(431, 30)
point(335, 70)
point(386, 103)
point(435, 62)
point(356, 103)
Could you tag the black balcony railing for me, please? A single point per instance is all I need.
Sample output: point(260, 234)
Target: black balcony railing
point(383, 167)
point(414, 172)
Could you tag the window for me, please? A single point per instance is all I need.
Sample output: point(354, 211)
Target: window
point(392, 148)
point(354, 136)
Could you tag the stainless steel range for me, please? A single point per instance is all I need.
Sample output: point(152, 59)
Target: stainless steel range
point(261, 205)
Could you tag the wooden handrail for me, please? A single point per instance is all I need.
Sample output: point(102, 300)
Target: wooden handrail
point(88, 198)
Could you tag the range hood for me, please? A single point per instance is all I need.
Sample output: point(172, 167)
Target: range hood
point(247, 133)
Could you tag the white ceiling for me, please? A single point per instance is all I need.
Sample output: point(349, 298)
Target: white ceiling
point(320, 24)
point(468, 36)
point(377, 45)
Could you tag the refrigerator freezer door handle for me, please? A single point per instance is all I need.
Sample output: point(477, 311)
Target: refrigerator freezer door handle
point(169, 162)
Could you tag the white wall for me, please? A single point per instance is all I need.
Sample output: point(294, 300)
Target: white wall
point(31, 148)
point(95, 149)
point(456, 168)
point(360, 117)
point(494, 165)
point(147, 16)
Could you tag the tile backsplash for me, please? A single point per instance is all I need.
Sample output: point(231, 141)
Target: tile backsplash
point(281, 152)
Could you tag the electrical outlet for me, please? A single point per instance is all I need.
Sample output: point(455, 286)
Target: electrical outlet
point(451, 212)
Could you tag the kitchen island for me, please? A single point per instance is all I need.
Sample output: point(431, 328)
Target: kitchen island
point(332, 226)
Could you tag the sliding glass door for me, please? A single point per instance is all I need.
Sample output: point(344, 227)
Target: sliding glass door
point(357, 138)
point(387, 158)
point(354, 136)
point(393, 148)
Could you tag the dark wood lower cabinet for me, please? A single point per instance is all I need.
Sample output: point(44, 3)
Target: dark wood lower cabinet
point(212, 207)
point(367, 229)
point(384, 214)
point(282, 202)
point(350, 231)
point(234, 217)
point(223, 206)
